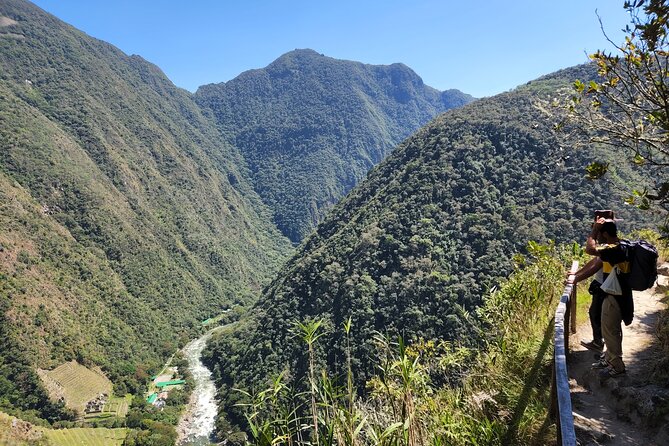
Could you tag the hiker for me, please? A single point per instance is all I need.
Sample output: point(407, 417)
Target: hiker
point(595, 310)
point(617, 305)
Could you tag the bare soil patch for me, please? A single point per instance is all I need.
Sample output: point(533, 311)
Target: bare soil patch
point(6, 21)
point(75, 383)
point(14, 431)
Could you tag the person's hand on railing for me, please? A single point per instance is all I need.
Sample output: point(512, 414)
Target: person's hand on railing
point(571, 278)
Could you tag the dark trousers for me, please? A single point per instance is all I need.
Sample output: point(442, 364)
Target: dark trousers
point(595, 311)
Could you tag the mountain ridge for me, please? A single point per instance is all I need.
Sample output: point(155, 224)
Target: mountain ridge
point(413, 249)
point(311, 126)
point(142, 219)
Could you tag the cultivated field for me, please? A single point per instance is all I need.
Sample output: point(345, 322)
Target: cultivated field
point(75, 383)
point(87, 436)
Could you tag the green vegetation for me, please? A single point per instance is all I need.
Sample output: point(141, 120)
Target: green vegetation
point(125, 217)
point(87, 436)
point(152, 426)
point(156, 425)
point(414, 248)
point(625, 106)
point(310, 127)
point(125, 220)
point(432, 392)
point(21, 392)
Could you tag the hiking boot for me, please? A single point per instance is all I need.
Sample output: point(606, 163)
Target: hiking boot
point(601, 364)
point(599, 356)
point(594, 345)
point(610, 372)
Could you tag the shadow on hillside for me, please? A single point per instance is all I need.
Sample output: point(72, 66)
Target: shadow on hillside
point(530, 384)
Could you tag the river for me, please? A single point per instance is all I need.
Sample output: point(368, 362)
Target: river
point(196, 427)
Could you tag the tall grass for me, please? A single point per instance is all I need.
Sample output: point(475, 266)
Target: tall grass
point(433, 392)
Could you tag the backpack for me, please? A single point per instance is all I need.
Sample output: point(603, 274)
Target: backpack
point(643, 264)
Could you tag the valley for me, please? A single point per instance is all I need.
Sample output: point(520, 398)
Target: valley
point(196, 426)
point(319, 251)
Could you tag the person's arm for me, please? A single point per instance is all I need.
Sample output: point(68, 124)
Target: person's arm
point(588, 269)
point(591, 243)
point(587, 265)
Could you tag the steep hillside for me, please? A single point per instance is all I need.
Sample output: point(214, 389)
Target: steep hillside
point(311, 127)
point(413, 249)
point(125, 220)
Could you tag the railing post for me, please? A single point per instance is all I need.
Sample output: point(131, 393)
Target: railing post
point(560, 394)
point(553, 409)
point(572, 307)
point(567, 320)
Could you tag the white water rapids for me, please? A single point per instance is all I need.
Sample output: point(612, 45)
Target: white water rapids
point(196, 427)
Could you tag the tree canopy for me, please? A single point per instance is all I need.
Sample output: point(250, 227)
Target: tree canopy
point(627, 105)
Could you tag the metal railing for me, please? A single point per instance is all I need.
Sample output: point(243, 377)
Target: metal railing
point(565, 323)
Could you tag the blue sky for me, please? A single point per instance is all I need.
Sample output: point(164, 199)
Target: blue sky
point(480, 47)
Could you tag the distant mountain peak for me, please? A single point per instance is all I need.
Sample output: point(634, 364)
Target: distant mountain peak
point(311, 126)
point(302, 52)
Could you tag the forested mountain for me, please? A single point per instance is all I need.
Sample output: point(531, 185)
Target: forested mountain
point(413, 249)
point(124, 217)
point(311, 127)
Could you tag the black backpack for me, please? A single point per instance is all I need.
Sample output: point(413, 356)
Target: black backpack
point(643, 263)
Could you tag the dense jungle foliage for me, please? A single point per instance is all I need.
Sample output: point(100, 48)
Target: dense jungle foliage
point(414, 248)
point(310, 127)
point(502, 396)
point(125, 219)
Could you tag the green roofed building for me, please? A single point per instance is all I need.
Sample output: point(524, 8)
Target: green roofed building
point(175, 382)
point(152, 398)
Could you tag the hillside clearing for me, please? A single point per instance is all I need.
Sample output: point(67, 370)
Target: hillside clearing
point(16, 432)
point(6, 21)
point(87, 436)
point(75, 383)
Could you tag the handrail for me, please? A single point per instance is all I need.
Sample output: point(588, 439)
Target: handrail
point(560, 394)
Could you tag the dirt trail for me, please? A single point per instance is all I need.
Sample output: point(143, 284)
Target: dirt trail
point(611, 412)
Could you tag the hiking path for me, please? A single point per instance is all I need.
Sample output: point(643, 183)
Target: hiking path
point(624, 410)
